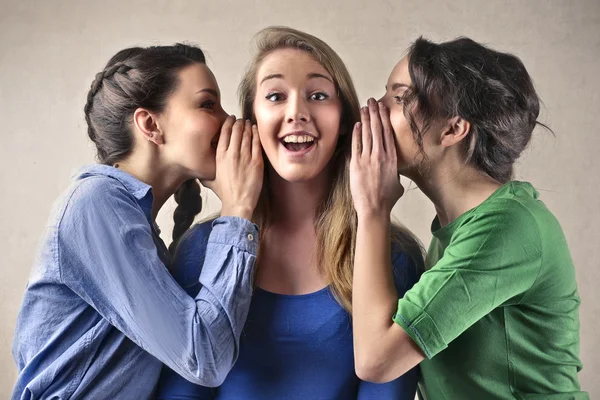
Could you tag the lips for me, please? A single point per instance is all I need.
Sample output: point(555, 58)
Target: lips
point(298, 142)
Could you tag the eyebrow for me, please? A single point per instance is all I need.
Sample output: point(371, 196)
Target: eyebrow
point(396, 86)
point(313, 75)
point(208, 90)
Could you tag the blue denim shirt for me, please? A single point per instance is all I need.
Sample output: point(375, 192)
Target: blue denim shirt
point(101, 311)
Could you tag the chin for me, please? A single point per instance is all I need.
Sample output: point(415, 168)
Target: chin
point(298, 175)
point(205, 175)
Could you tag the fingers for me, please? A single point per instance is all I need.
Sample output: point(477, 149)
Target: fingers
point(246, 144)
point(366, 137)
point(225, 136)
point(376, 128)
point(356, 141)
point(236, 138)
point(256, 148)
point(389, 143)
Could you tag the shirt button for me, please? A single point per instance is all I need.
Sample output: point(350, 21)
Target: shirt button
point(250, 237)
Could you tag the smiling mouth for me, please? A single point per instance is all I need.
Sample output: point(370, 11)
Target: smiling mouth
point(298, 143)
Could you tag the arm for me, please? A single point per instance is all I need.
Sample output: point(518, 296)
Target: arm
point(374, 303)
point(495, 258)
point(382, 350)
point(405, 273)
point(186, 271)
point(402, 388)
point(118, 272)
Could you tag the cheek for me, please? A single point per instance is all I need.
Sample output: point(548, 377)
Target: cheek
point(205, 127)
point(266, 121)
point(328, 123)
point(399, 125)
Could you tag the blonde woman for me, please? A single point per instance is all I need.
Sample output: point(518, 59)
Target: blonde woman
point(297, 342)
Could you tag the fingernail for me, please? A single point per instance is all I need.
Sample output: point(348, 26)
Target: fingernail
point(381, 105)
point(371, 101)
point(364, 109)
point(358, 125)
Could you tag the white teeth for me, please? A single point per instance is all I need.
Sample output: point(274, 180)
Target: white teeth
point(298, 139)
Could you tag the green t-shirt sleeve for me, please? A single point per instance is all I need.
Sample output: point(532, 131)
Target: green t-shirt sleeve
point(491, 259)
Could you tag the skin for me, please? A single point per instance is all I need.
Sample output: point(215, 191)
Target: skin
point(180, 143)
point(295, 94)
point(384, 147)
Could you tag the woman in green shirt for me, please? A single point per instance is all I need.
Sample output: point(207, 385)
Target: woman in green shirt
point(495, 316)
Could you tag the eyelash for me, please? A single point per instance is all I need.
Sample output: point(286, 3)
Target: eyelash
point(208, 104)
point(270, 95)
point(324, 96)
point(399, 99)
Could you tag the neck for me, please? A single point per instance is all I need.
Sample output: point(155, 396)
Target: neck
point(295, 203)
point(146, 168)
point(455, 188)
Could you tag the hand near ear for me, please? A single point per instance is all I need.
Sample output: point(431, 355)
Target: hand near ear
point(374, 179)
point(239, 176)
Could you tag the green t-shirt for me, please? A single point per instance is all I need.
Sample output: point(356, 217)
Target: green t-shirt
point(496, 312)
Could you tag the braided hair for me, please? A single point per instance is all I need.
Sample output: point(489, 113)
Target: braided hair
point(139, 77)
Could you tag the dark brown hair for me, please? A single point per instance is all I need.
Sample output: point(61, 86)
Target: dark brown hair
point(135, 78)
point(489, 89)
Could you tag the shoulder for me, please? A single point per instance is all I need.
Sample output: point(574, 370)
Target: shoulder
point(95, 199)
point(498, 223)
point(515, 206)
point(97, 190)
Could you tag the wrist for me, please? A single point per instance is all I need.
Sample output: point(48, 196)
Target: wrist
point(237, 211)
point(373, 214)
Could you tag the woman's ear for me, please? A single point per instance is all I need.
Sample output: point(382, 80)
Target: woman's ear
point(146, 124)
point(455, 130)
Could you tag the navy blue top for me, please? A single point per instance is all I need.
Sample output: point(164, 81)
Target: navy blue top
point(292, 347)
point(101, 310)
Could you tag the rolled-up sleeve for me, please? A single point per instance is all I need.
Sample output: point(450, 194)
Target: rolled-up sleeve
point(492, 259)
point(109, 258)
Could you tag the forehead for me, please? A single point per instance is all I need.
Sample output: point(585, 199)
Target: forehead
point(196, 77)
point(290, 62)
point(400, 73)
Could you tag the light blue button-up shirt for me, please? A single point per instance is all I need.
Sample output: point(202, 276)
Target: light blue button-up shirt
point(101, 310)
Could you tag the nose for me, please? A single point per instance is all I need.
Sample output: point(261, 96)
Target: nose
point(297, 109)
point(222, 116)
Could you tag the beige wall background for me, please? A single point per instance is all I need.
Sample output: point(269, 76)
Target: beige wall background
point(50, 51)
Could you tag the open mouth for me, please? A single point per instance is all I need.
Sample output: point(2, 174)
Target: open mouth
point(298, 143)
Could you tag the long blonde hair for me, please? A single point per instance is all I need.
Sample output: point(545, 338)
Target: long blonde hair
point(336, 221)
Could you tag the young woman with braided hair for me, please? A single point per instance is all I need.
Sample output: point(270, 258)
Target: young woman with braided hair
point(101, 312)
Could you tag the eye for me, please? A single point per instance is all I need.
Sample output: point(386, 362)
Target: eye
point(209, 104)
point(399, 99)
point(274, 96)
point(319, 96)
